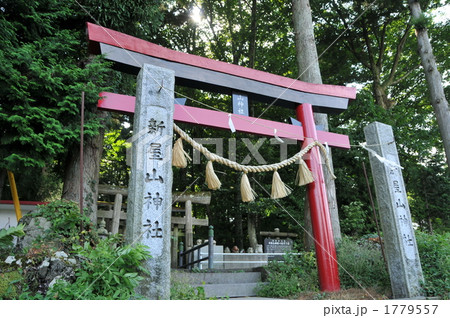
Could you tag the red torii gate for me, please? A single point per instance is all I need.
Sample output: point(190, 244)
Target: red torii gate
point(129, 53)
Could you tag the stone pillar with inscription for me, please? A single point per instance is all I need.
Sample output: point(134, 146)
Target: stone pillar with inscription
point(404, 266)
point(150, 189)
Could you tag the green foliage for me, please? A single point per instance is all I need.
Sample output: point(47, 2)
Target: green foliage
point(297, 273)
point(108, 272)
point(425, 175)
point(352, 219)
point(106, 269)
point(8, 281)
point(42, 76)
point(66, 222)
point(184, 291)
point(434, 251)
point(44, 67)
point(113, 167)
point(361, 265)
point(7, 235)
point(140, 18)
point(422, 22)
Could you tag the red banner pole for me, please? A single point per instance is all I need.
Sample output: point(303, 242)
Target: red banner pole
point(320, 214)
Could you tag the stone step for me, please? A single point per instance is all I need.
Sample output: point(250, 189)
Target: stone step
point(221, 284)
point(230, 290)
point(218, 278)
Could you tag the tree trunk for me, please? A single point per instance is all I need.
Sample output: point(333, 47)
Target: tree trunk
point(252, 42)
point(93, 149)
point(239, 231)
point(308, 66)
point(381, 97)
point(434, 79)
point(251, 217)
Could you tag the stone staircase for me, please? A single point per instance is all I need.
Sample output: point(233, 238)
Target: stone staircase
point(222, 284)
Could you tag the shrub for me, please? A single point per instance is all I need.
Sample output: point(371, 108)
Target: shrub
point(184, 291)
point(434, 251)
point(361, 265)
point(107, 272)
point(287, 279)
point(8, 284)
point(66, 221)
point(352, 214)
point(105, 269)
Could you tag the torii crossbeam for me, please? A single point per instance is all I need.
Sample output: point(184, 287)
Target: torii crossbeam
point(129, 54)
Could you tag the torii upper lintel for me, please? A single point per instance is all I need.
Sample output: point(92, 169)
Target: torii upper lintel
point(130, 53)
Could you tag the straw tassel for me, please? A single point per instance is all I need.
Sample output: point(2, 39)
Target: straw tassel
point(247, 193)
point(304, 175)
point(212, 180)
point(179, 156)
point(279, 189)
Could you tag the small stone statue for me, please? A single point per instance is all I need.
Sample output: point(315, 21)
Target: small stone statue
point(250, 250)
point(102, 231)
point(259, 248)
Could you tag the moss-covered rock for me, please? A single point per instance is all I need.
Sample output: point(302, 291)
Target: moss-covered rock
point(8, 289)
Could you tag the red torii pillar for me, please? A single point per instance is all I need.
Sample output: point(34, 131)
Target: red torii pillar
point(320, 213)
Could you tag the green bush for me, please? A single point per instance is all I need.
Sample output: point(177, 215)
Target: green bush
point(107, 272)
point(8, 284)
point(184, 291)
point(434, 251)
point(352, 216)
point(287, 279)
point(66, 221)
point(361, 265)
point(105, 268)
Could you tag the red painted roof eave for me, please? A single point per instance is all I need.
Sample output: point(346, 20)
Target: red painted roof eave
point(98, 34)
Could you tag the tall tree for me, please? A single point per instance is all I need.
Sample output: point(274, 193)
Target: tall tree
point(376, 35)
point(410, 112)
point(44, 68)
point(308, 66)
point(432, 75)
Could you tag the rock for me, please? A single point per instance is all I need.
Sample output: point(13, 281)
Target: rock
point(41, 277)
point(34, 228)
point(55, 280)
point(61, 254)
point(43, 268)
point(10, 259)
point(45, 263)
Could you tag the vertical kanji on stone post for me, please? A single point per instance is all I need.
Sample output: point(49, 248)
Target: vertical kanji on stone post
point(402, 256)
point(150, 189)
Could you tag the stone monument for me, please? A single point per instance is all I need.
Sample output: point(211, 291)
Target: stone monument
point(402, 256)
point(150, 190)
